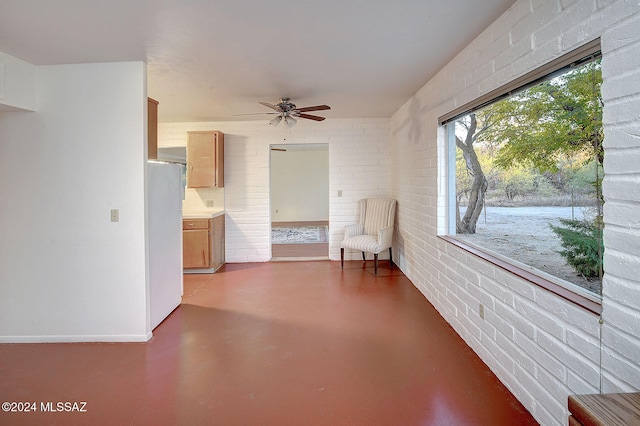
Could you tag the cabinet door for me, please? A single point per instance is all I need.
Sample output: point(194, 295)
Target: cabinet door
point(195, 250)
point(152, 129)
point(217, 257)
point(205, 159)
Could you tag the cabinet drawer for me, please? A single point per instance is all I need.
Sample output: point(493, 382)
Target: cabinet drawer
point(196, 251)
point(195, 223)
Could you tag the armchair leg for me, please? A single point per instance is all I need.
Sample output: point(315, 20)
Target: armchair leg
point(375, 264)
point(342, 258)
point(390, 259)
point(364, 257)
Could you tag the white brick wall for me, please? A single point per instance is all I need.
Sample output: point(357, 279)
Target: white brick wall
point(359, 166)
point(542, 348)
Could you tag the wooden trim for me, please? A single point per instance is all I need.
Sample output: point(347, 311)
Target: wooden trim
point(557, 289)
point(605, 409)
point(296, 224)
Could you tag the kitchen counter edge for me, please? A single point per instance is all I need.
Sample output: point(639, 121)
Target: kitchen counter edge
point(202, 215)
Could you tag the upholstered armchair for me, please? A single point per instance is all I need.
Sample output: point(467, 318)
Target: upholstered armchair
point(374, 232)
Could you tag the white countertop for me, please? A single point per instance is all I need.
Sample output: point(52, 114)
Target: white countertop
point(202, 214)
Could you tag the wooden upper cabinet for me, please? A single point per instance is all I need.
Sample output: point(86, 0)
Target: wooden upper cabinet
point(205, 159)
point(152, 129)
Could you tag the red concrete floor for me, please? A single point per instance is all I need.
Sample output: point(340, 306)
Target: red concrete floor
point(281, 343)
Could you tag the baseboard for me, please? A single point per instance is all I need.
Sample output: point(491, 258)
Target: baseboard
point(300, 223)
point(130, 338)
point(299, 259)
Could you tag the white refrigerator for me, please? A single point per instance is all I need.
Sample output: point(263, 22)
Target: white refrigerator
point(165, 195)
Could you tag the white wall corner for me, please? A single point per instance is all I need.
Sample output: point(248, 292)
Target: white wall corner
point(18, 82)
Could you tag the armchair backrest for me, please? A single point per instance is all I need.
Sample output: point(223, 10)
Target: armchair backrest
point(376, 214)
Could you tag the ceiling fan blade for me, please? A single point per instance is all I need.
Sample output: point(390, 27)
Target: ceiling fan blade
point(313, 108)
point(311, 117)
point(255, 113)
point(272, 106)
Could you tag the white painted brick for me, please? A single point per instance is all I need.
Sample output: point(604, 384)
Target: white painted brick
point(619, 79)
point(569, 357)
point(517, 13)
point(540, 318)
point(620, 188)
point(611, 384)
point(476, 295)
point(518, 286)
point(520, 323)
point(623, 161)
point(621, 111)
point(497, 290)
point(626, 33)
point(578, 385)
point(619, 264)
point(541, 15)
point(547, 410)
point(484, 269)
point(499, 324)
point(513, 355)
point(621, 137)
point(621, 238)
point(468, 274)
point(558, 390)
point(624, 344)
point(588, 346)
point(473, 328)
point(622, 292)
point(544, 359)
point(622, 317)
point(620, 369)
point(566, 312)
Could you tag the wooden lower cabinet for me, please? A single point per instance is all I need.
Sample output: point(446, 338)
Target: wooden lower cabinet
point(217, 243)
point(196, 243)
point(203, 243)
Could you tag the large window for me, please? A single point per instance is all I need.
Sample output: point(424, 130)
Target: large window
point(525, 174)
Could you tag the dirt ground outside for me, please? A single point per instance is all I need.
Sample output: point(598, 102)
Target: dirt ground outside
point(524, 234)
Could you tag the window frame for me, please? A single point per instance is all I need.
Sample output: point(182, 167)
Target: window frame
point(587, 52)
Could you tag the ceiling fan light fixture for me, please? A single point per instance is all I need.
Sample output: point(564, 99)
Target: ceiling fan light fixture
point(290, 121)
point(276, 120)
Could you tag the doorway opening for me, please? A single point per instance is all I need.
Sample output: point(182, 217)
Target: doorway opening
point(299, 201)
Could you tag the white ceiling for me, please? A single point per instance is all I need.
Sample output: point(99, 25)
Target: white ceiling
point(210, 59)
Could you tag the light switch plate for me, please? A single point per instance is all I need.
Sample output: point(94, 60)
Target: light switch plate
point(115, 215)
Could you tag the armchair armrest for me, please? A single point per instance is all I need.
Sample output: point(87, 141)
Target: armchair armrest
point(385, 237)
point(353, 230)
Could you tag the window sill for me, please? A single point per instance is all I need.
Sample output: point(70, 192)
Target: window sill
point(557, 289)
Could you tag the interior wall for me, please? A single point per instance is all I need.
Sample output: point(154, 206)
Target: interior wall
point(359, 167)
point(67, 273)
point(300, 184)
point(541, 346)
point(17, 84)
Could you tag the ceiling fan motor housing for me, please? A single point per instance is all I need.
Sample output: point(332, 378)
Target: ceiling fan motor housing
point(286, 106)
